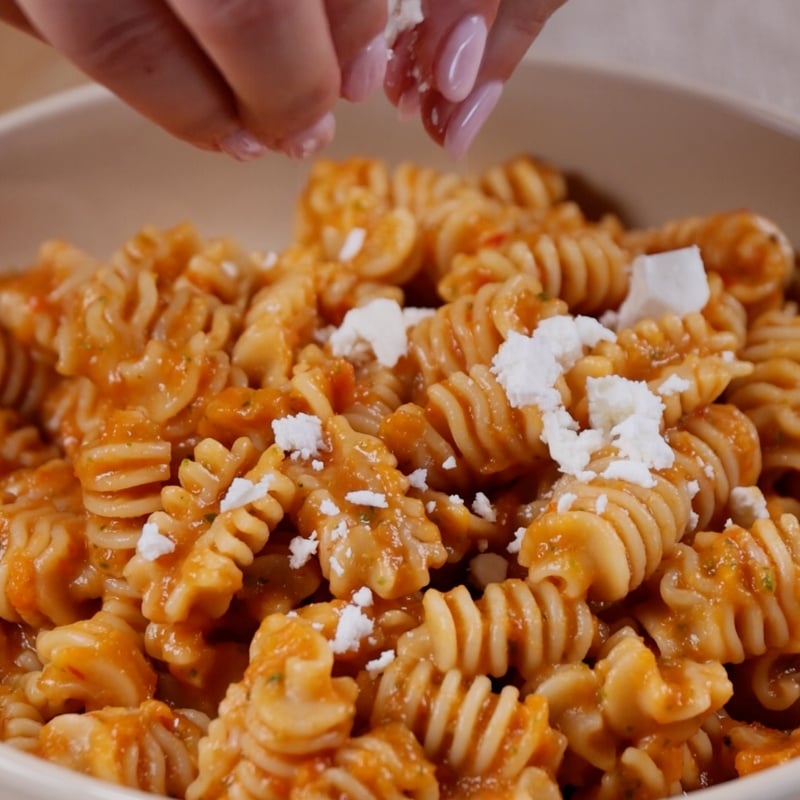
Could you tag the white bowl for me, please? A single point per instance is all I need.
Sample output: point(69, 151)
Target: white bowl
point(83, 167)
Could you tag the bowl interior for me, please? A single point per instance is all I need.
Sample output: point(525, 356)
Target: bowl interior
point(83, 167)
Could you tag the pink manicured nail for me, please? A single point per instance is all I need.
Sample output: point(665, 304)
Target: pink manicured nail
point(409, 103)
point(365, 73)
point(311, 140)
point(469, 117)
point(242, 146)
point(458, 64)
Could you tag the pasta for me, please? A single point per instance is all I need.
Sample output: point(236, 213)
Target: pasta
point(416, 507)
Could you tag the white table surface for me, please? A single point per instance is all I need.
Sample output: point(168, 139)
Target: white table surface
point(748, 49)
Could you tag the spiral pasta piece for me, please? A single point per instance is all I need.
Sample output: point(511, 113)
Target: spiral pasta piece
point(20, 721)
point(512, 626)
point(752, 255)
point(467, 418)
point(285, 712)
point(463, 721)
point(731, 592)
point(524, 181)
point(151, 747)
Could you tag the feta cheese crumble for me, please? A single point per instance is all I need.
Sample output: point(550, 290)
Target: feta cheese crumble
point(301, 550)
point(377, 665)
point(299, 433)
point(747, 505)
point(363, 597)
point(449, 463)
point(352, 627)
point(243, 491)
point(674, 384)
point(673, 282)
point(152, 544)
point(516, 543)
point(352, 245)
point(378, 326)
point(565, 502)
point(364, 497)
point(418, 479)
point(482, 507)
point(329, 508)
point(403, 15)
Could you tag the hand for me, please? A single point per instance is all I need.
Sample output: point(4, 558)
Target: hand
point(233, 75)
point(451, 68)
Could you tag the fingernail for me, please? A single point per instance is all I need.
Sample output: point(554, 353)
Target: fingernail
point(458, 64)
point(365, 73)
point(470, 116)
point(409, 103)
point(311, 140)
point(242, 146)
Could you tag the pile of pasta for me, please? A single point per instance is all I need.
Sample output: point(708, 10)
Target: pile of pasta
point(242, 558)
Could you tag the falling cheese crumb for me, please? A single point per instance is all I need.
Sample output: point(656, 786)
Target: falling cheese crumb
point(300, 433)
point(673, 282)
point(630, 472)
point(243, 491)
point(419, 479)
point(363, 597)
point(353, 243)
point(403, 15)
point(352, 627)
point(329, 508)
point(152, 544)
point(377, 325)
point(449, 463)
point(565, 502)
point(674, 384)
point(516, 543)
point(482, 507)
point(379, 664)
point(748, 504)
point(302, 549)
point(364, 497)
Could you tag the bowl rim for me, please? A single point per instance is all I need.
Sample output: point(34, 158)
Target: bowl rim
point(91, 94)
point(18, 766)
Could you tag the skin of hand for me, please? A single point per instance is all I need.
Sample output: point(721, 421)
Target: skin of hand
point(240, 76)
point(452, 67)
point(247, 76)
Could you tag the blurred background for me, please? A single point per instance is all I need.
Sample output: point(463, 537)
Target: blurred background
point(745, 49)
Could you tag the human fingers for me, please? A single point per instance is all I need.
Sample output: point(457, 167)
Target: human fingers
point(140, 51)
point(443, 53)
point(518, 23)
point(10, 13)
point(357, 29)
point(279, 60)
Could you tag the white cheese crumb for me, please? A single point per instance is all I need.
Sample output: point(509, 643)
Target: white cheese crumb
point(336, 566)
point(456, 499)
point(301, 433)
point(363, 597)
point(516, 543)
point(601, 503)
point(402, 16)
point(269, 260)
point(430, 506)
point(569, 448)
point(364, 497)
point(353, 243)
point(378, 325)
point(673, 282)
point(630, 471)
point(353, 626)
point(449, 463)
point(693, 487)
point(152, 543)
point(728, 356)
point(243, 491)
point(709, 471)
point(487, 568)
point(694, 520)
point(747, 505)
point(339, 532)
point(302, 549)
point(317, 465)
point(728, 524)
point(419, 479)
point(329, 508)
point(674, 384)
point(482, 507)
point(379, 664)
point(565, 502)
